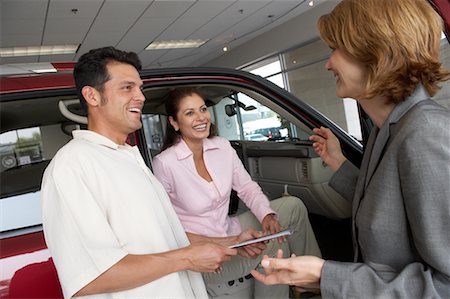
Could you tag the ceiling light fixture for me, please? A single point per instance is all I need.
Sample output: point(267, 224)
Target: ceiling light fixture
point(176, 44)
point(38, 50)
point(311, 3)
point(225, 49)
point(41, 71)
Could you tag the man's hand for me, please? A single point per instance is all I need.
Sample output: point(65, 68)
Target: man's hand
point(302, 271)
point(270, 225)
point(208, 257)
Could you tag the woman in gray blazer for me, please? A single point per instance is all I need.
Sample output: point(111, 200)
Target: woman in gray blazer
point(386, 57)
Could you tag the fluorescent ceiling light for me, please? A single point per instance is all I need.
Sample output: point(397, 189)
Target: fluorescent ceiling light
point(176, 44)
point(26, 68)
point(41, 71)
point(38, 50)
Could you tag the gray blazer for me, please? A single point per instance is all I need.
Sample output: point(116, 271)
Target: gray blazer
point(401, 208)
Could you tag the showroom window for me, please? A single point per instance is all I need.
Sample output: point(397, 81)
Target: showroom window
point(302, 72)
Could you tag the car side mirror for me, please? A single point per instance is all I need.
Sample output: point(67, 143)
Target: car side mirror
point(230, 110)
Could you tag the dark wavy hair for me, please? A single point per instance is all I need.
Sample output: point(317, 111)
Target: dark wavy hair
point(90, 70)
point(172, 105)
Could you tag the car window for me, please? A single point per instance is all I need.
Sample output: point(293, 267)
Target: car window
point(153, 130)
point(237, 115)
point(20, 147)
point(24, 155)
point(251, 120)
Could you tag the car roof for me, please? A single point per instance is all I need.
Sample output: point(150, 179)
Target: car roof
point(34, 82)
point(64, 79)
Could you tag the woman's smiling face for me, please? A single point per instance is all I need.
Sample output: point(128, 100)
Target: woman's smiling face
point(350, 74)
point(193, 118)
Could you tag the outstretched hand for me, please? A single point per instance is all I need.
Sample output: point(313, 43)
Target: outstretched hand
point(327, 146)
point(302, 271)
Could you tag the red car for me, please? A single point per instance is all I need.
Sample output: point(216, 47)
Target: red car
point(38, 119)
point(38, 113)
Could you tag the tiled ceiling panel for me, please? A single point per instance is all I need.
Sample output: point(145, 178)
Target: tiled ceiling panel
point(22, 22)
point(133, 24)
point(69, 21)
point(152, 23)
point(112, 24)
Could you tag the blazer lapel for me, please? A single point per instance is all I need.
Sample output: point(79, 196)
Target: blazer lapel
point(377, 152)
point(384, 133)
point(361, 183)
point(359, 190)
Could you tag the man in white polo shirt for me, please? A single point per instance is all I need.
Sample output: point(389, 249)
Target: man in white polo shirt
point(107, 221)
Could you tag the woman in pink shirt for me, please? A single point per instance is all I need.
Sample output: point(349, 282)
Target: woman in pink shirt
point(199, 171)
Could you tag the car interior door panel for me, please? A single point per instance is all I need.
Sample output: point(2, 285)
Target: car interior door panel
point(288, 168)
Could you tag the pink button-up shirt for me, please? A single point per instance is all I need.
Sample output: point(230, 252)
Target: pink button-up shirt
point(203, 206)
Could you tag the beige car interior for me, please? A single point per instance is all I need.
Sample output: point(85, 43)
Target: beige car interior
point(279, 167)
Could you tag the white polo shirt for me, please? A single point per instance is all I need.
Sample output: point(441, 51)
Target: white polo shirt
point(101, 202)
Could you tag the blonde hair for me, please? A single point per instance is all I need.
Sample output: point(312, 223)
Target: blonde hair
point(397, 40)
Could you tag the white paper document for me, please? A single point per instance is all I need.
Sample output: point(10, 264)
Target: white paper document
point(286, 232)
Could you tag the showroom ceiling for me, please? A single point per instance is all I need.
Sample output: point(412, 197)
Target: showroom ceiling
point(133, 24)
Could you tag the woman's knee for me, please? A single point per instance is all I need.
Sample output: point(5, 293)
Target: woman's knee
point(273, 246)
point(291, 204)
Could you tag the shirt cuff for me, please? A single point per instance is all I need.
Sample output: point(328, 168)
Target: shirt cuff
point(264, 212)
point(332, 279)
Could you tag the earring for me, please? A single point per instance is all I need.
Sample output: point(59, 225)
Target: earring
point(177, 129)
